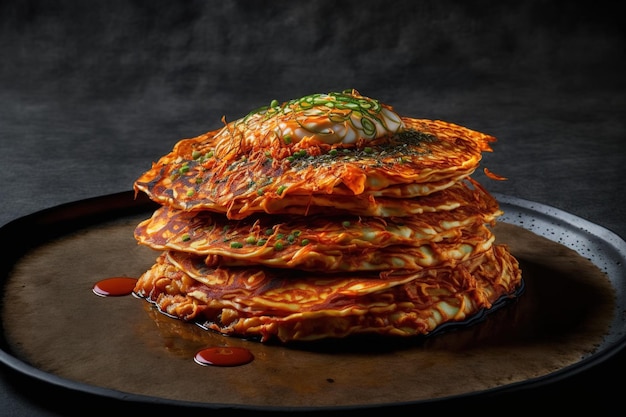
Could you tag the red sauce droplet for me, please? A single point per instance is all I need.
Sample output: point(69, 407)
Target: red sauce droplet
point(223, 356)
point(114, 287)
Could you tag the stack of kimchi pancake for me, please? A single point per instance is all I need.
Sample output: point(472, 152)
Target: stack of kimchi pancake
point(323, 217)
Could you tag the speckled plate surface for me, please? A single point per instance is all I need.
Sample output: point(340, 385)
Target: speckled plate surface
point(55, 329)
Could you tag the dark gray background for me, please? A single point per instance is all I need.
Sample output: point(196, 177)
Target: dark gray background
point(91, 92)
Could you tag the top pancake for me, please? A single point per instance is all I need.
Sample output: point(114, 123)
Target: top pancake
point(310, 153)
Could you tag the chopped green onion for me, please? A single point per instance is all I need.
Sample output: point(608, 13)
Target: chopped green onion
point(368, 126)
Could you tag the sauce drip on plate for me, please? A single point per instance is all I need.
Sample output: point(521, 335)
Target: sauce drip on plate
point(211, 356)
point(114, 287)
point(223, 356)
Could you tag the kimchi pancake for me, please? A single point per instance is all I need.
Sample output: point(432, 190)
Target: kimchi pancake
point(324, 216)
point(254, 162)
point(277, 304)
point(388, 258)
point(461, 193)
point(315, 257)
point(321, 242)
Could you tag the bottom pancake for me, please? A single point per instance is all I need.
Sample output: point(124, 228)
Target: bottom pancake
point(277, 304)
